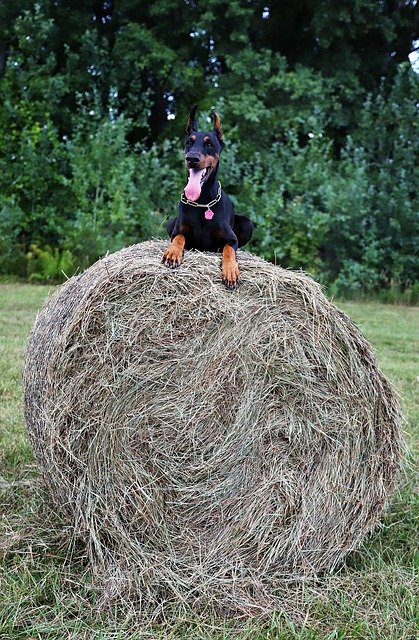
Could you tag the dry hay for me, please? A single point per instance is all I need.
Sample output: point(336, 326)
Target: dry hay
point(209, 446)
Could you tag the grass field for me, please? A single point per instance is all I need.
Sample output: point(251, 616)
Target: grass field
point(45, 596)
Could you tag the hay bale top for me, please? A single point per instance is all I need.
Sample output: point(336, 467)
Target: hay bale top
point(209, 446)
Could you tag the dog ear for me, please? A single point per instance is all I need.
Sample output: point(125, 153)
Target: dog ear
point(191, 124)
point(217, 128)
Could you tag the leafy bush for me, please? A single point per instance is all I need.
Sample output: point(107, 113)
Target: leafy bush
point(12, 251)
point(326, 171)
point(374, 238)
point(121, 195)
point(49, 265)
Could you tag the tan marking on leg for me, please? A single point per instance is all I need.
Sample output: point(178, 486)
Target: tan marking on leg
point(229, 268)
point(173, 255)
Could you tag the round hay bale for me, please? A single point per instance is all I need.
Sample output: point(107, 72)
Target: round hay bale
point(209, 446)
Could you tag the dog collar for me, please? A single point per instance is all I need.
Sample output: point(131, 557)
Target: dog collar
point(209, 214)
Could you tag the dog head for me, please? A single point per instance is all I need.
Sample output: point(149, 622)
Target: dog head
point(202, 153)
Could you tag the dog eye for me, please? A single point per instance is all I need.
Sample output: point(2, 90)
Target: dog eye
point(208, 144)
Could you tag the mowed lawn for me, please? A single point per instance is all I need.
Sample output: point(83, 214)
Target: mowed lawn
point(44, 595)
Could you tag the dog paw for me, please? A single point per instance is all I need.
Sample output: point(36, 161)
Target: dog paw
point(172, 258)
point(230, 275)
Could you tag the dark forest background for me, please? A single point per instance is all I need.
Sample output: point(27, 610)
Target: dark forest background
point(318, 102)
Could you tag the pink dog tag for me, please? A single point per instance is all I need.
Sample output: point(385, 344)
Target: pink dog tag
point(209, 214)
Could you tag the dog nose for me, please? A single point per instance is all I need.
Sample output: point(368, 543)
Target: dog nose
point(192, 159)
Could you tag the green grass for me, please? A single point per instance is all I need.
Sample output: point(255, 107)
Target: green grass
point(45, 595)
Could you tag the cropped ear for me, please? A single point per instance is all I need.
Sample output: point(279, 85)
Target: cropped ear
point(217, 128)
point(191, 124)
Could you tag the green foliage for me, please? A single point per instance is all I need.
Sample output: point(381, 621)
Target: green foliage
point(318, 106)
point(12, 251)
point(32, 159)
point(374, 241)
point(120, 196)
point(104, 190)
point(283, 100)
point(49, 265)
point(283, 191)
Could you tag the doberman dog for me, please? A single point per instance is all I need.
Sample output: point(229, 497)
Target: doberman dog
point(206, 219)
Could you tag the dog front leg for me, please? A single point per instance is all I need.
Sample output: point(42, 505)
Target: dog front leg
point(229, 268)
point(173, 255)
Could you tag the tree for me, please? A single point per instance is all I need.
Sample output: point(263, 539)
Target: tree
point(315, 101)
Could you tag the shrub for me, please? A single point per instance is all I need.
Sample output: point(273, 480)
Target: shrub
point(49, 265)
point(12, 253)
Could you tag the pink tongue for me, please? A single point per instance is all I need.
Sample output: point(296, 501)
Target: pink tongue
point(193, 188)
